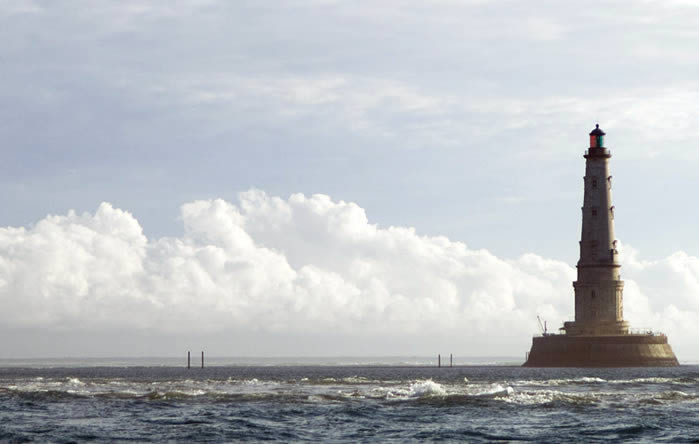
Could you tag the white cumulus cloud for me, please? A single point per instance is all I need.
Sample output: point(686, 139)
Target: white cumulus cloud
point(303, 265)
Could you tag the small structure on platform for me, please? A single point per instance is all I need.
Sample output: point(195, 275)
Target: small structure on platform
point(599, 336)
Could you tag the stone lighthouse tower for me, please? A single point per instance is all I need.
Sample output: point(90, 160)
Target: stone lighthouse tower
point(599, 336)
point(598, 290)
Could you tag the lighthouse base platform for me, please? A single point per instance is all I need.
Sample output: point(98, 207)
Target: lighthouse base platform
point(627, 350)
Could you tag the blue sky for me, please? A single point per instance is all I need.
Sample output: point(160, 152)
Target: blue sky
point(462, 119)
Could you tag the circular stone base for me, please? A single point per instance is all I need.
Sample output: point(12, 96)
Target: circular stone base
point(601, 351)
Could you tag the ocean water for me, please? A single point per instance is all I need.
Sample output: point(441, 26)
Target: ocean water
point(347, 401)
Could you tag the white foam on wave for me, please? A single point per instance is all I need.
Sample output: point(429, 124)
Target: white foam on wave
point(597, 380)
point(530, 398)
point(493, 390)
point(355, 380)
point(557, 382)
point(245, 382)
point(162, 388)
point(652, 380)
point(418, 389)
point(195, 392)
point(675, 395)
point(426, 388)
point(589, 379)
point(176, 394)
point(541, 397)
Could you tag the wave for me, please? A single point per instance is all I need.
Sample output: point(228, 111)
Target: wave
point(421, 392)
point(587, 380)
point(578, 391)
point(553, 397)
point(426, 388)
point(75, 381)
point(496, 390)
point(430, 390)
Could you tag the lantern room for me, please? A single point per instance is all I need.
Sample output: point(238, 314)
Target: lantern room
point(597, 138)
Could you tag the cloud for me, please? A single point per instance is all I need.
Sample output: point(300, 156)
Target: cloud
point(443, 73)
point(302, 265)
point(306, 263)
point(664, 294)
point(384, 108)
point(9, 7)
point(358, 103)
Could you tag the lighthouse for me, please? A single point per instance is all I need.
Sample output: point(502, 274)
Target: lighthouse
point(599, 336)
point(599, 288)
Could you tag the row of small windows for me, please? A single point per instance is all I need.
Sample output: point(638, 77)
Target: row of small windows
point(594, 182)
point(593, 211)
point(593, 248)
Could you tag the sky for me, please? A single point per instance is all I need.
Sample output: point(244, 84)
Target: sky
point(326, 177)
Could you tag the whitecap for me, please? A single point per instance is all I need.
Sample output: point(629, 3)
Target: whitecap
point(494, 390)
point(546, 396)
point(588, 379)
point(355, 379)
point(426, 388)
point(557, 382)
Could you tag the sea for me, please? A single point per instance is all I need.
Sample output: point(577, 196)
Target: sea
point(342, 400)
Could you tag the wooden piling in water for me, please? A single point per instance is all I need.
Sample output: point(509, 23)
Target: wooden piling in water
point(439, 361)
point(202, 359)
point(451, 360)
point(188, 360)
